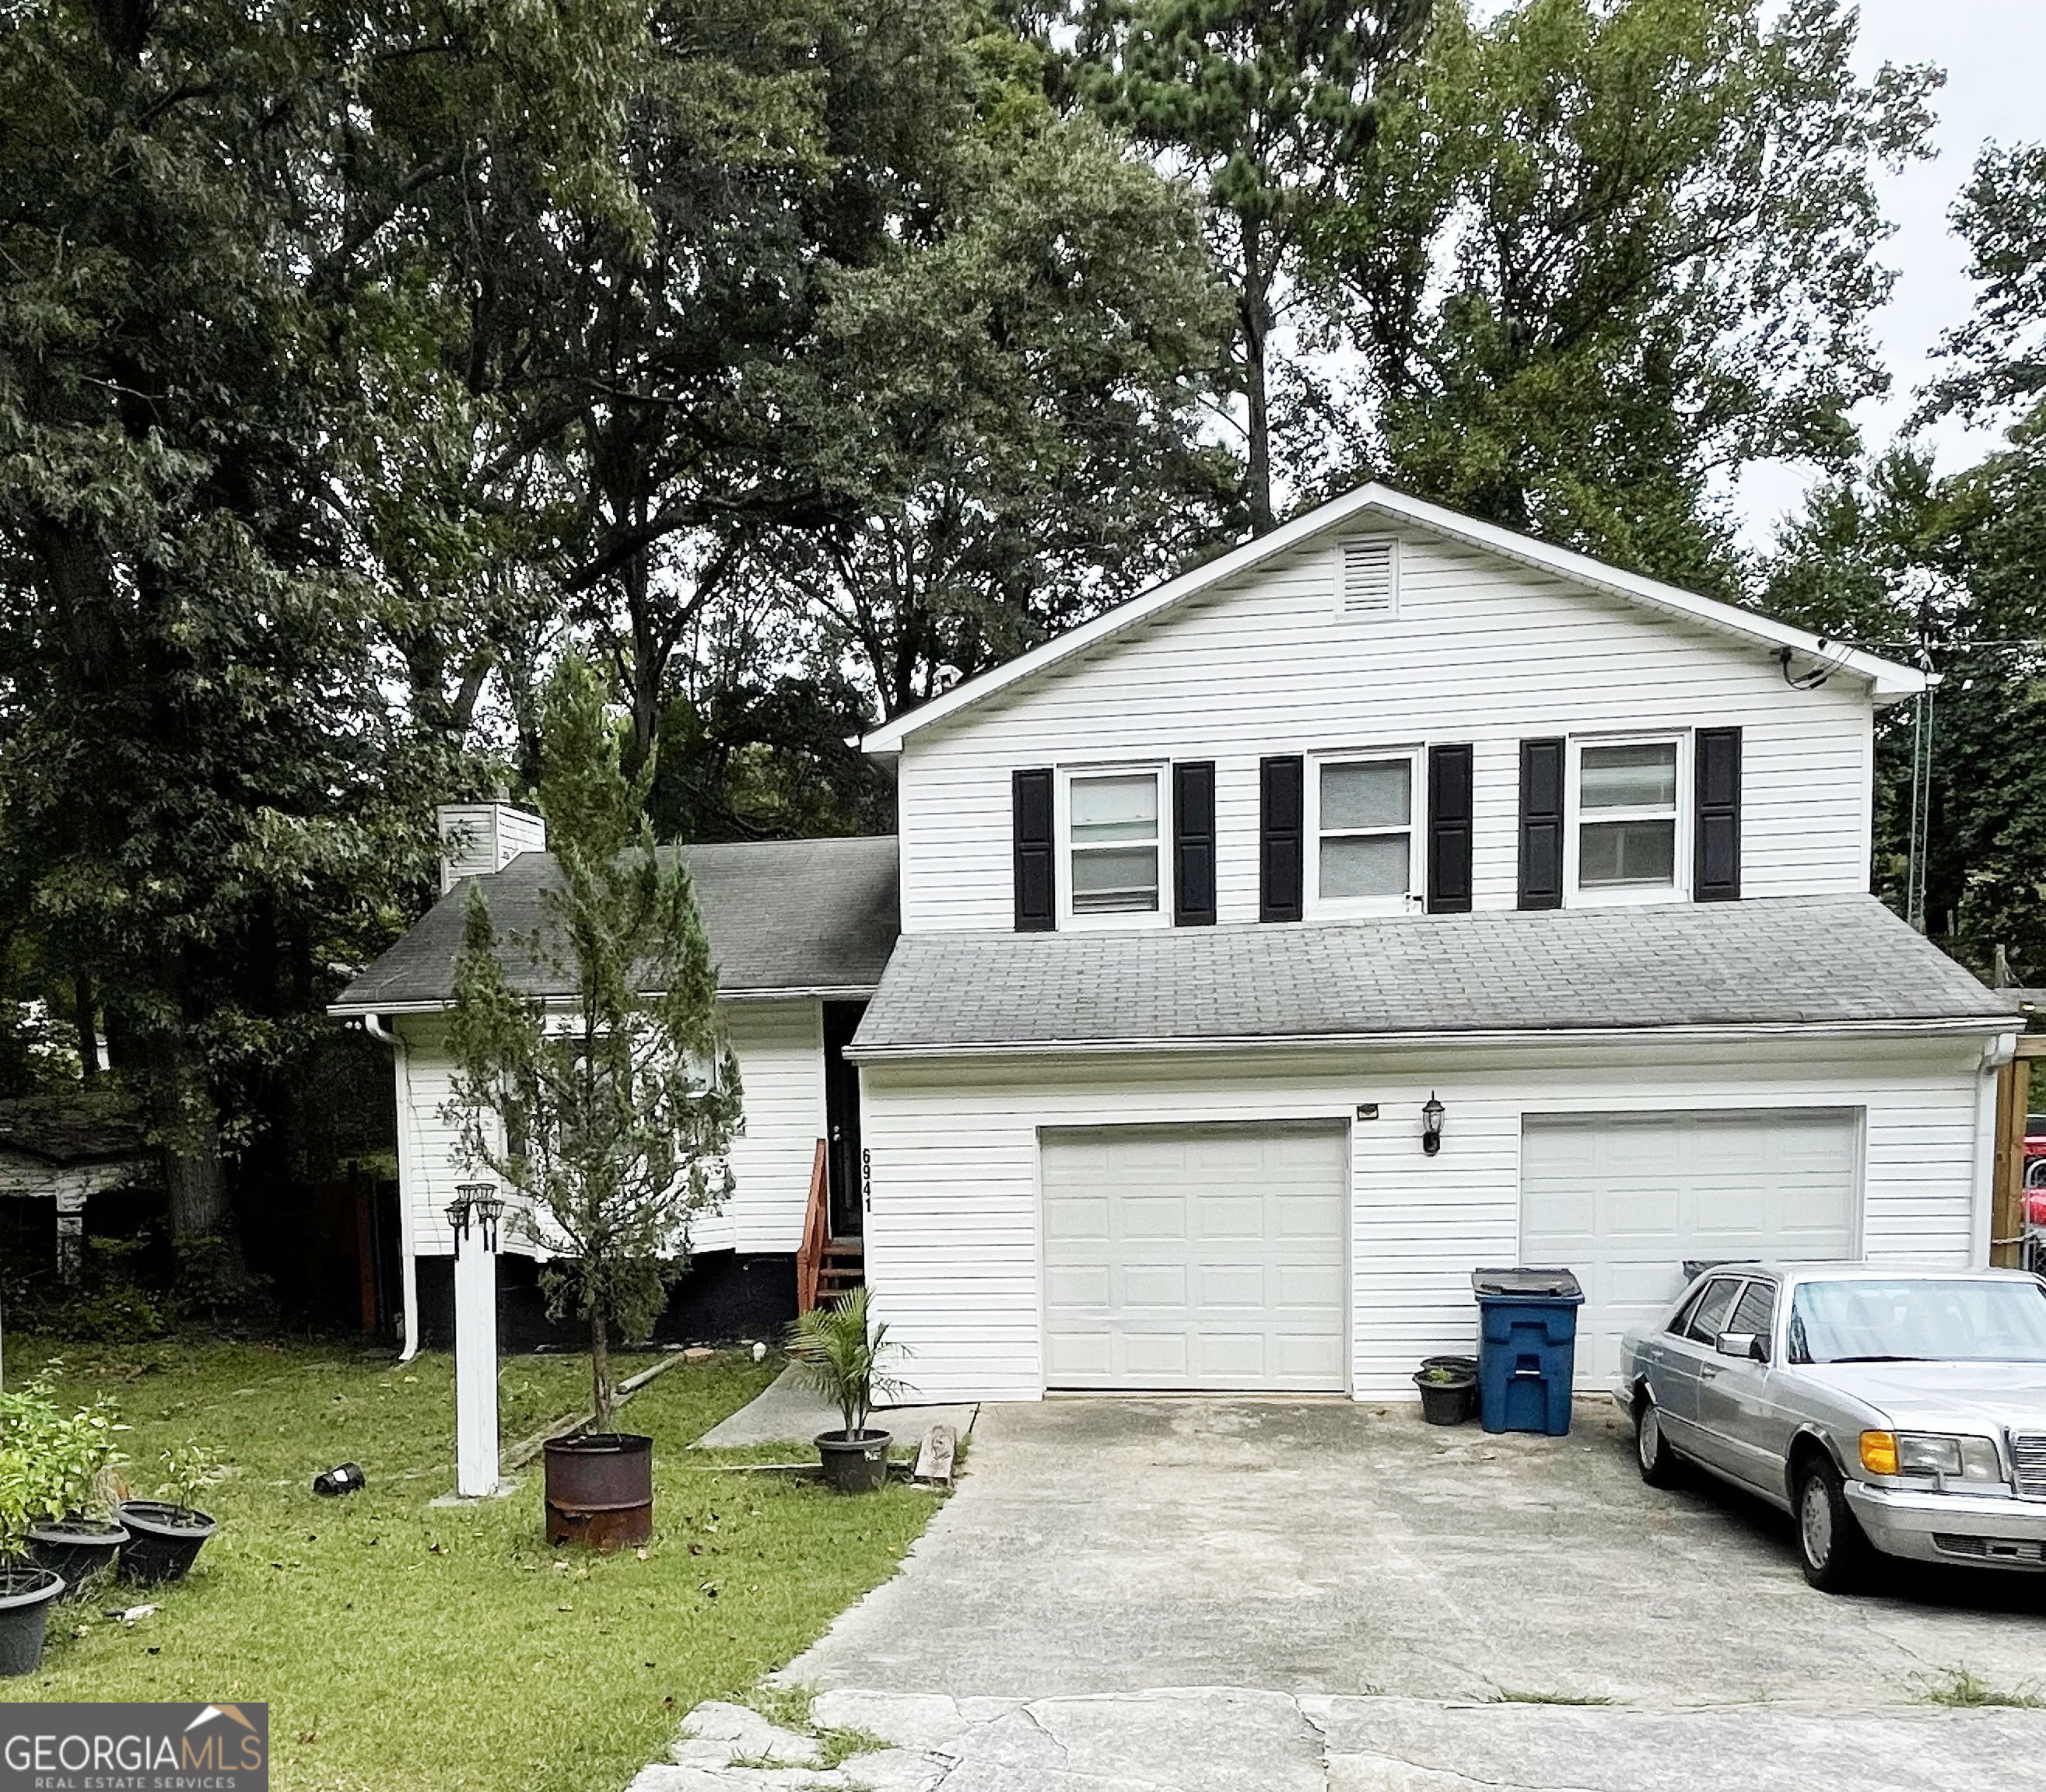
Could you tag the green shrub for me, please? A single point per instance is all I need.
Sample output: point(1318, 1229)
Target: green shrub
point(52, 1464)
point(108, 1304)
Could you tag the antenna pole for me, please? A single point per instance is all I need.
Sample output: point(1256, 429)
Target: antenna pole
point(1921, 804)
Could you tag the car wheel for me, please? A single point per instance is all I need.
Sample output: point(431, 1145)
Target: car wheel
point(1657, 1460)
point(1830, 1540)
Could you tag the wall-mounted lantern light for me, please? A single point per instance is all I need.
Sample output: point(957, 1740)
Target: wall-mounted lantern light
point(1431, 1125)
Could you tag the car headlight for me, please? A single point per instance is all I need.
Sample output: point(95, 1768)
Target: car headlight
point(1931, 1453)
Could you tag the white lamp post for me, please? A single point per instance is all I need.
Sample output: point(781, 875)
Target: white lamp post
point(473, 1215)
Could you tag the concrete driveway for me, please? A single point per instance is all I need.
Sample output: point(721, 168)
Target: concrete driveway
point(1111, 1546)
point(1149, 1593)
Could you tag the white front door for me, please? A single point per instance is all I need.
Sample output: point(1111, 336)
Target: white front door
point(1207, 1257)
point(1625, 1200)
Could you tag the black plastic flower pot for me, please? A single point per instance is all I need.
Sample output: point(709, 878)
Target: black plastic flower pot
point(855, 1461)
point(600, 1490)
point(26, 1595)
point(1446, 1400)
point(162, 1543)
point(78, 1550)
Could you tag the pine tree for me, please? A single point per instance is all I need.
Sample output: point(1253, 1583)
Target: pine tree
point(606, 1112)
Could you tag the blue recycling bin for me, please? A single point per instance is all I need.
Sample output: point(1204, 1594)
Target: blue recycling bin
point(1528, 1348)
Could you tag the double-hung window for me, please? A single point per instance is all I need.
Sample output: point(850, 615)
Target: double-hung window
point(1627, 840)
point(1367, 844)
point(1113, 853)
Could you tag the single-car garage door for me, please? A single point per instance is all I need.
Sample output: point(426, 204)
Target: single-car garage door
point(1194, 1256)
point(1625, 1199)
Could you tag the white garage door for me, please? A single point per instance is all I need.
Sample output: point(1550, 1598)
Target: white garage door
point(1194, 1256)
point(1625, 1199)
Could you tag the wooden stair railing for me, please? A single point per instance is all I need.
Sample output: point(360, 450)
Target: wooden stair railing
point(816, 1235)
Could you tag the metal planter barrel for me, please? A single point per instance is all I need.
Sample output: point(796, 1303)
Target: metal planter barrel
point(600, 1490)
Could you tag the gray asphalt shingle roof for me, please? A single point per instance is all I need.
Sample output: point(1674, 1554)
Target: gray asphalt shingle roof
point(780, 915)
point(1802, 959)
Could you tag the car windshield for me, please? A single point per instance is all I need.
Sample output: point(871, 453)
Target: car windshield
point(1918, 1319)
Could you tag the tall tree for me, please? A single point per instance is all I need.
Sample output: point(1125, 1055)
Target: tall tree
point(1004, 417)
point(1266, 104)
point(1604, 253)
point(1955, 569)
point(203, 314)
point(608, 1117)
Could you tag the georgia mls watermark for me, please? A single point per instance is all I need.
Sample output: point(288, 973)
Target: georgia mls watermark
point(134, 1747)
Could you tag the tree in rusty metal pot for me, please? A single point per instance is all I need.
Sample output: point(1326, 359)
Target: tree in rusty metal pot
point(606, 1110)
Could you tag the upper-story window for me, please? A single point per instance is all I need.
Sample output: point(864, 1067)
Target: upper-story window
point(1366, 841)
point(1628, 839)
point(1113, 853)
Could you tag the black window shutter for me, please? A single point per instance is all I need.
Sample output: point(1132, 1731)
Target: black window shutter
point(1031, 808)
point(1450, 830)
point(1717, 876)
point(1193, 844)
point(1542, 824)
point(1281, 848)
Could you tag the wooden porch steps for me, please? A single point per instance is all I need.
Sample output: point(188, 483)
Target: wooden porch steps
point(825, 1266)
point(843, 1265)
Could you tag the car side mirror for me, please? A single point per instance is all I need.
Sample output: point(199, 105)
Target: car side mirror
point(1750, 1347)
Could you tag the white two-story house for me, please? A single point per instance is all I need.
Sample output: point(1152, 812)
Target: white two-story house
point(1392, 896)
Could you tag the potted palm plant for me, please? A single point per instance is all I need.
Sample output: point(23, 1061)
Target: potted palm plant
point(168, 1532)
point(838, 1350)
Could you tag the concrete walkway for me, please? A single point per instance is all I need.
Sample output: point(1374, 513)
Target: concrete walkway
point(1243, 1594)
point(789, 1411)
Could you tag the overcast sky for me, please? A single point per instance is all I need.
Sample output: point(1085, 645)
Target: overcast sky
point(1994, 55)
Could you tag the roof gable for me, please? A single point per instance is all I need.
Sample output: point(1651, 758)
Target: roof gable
point(1888, 681)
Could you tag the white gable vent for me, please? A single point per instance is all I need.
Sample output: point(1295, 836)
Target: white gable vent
point(1370, 575)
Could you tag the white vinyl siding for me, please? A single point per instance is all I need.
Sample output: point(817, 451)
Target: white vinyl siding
point(780, 1049)
point(1481, 650)
point(954, 1238)
point(1194, 1256)
point(1625, 1200)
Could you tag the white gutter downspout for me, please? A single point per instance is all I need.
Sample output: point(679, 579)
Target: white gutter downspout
point(373, 1025)
point(1997, 1053)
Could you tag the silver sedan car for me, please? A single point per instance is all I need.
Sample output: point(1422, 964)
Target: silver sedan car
point(1897, 1410)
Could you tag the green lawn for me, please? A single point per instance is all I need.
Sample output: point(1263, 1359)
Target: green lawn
point(402, 1647)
